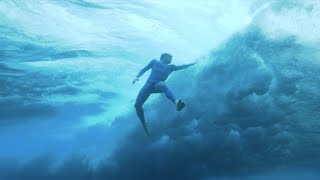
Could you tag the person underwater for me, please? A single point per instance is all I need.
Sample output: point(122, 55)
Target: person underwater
point(160, 70)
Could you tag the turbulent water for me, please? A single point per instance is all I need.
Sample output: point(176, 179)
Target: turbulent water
point(252, 101)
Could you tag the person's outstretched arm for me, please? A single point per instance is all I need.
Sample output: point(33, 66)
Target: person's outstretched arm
point(142, 71)
point(176, 68)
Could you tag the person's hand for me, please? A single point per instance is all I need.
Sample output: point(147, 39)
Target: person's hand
point(135, 80)
point(191, 64)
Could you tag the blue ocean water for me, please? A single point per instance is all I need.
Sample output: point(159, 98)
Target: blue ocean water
point(252, 101)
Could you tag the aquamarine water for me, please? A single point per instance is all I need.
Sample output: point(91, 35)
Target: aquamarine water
point(252, 101)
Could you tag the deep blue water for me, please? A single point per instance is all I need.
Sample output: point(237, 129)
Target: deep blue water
point(252, 101)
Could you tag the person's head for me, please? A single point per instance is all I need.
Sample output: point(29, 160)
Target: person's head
point(166, 58)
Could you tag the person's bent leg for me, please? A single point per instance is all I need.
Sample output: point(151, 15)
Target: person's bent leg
point(161, 87)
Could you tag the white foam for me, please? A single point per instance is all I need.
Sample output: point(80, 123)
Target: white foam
point(299, 19)
point(148, 28)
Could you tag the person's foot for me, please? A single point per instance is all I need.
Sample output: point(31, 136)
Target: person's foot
point(145, 126)
point(180, 105)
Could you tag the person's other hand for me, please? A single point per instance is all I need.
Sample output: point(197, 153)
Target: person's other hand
point(135, 80)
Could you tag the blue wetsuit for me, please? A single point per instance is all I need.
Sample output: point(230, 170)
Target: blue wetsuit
point(155, 83)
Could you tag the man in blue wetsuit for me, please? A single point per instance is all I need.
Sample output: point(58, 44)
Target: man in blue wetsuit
point(155, 83)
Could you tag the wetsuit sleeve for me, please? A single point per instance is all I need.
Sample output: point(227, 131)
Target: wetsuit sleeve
point(176, 68)
point(142, 71)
